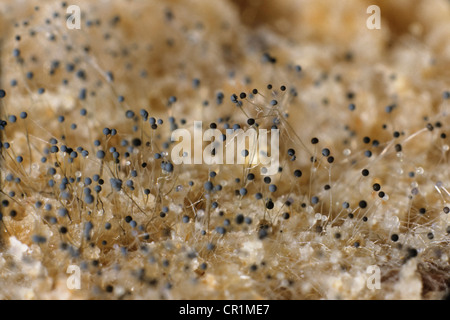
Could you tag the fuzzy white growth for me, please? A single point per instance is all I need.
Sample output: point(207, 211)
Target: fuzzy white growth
point(115, 161)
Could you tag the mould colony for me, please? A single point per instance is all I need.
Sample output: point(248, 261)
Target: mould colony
point(87, 178)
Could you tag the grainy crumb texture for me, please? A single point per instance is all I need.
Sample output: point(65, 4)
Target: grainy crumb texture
point(359, 208)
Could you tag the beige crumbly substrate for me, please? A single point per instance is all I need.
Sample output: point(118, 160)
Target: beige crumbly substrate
point(154, 50)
